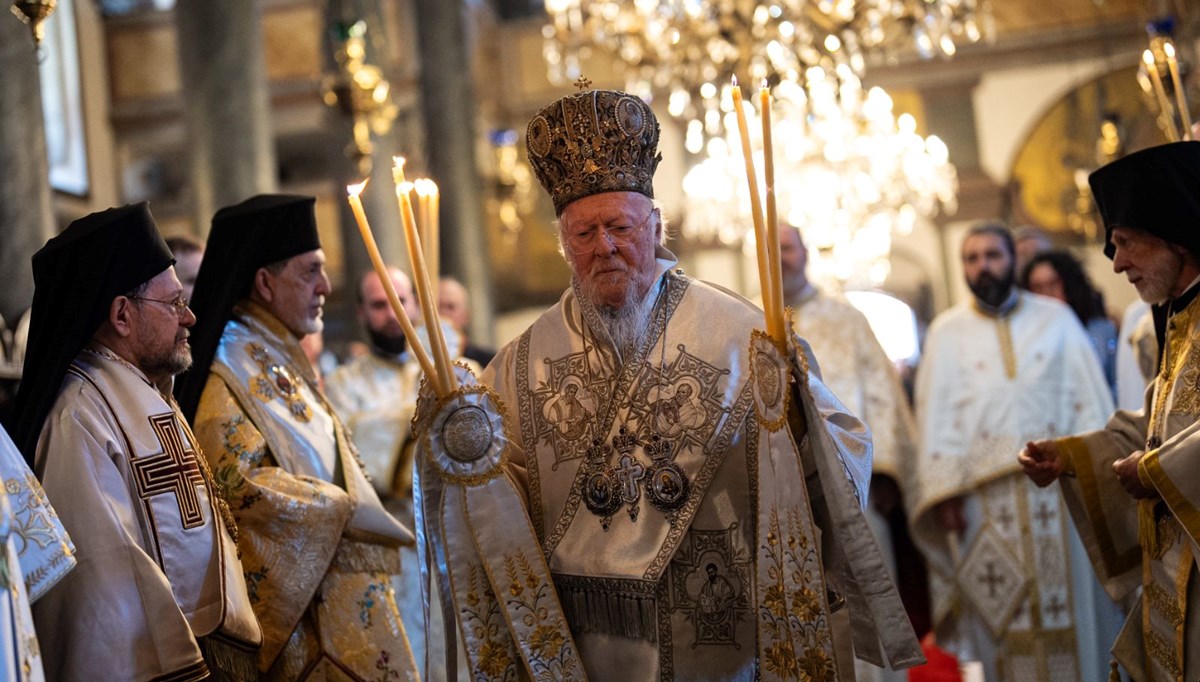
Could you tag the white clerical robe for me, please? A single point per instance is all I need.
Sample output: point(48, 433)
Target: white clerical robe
point(855, 367)
point(1030, 608)
point(716, 561)
point(158, 575)
point(36, 553)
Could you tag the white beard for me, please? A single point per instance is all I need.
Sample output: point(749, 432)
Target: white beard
point(628, 325)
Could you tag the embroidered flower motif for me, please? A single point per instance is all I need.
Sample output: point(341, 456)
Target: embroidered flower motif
point(818, 665)
point(546, 641)
point(775, 601)
point(493, 659)
point(253, 578)
point(367, 603)
point(780, 659)
point(805, 605)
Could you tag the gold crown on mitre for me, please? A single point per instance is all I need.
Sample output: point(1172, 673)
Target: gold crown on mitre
point(593, 142)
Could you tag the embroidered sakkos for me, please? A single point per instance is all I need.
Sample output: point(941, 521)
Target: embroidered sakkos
point(318, 550)
point(701, 578)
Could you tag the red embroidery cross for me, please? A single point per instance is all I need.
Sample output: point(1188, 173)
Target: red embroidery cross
point(173, 471)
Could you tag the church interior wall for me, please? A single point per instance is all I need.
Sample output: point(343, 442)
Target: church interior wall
point(136, 139)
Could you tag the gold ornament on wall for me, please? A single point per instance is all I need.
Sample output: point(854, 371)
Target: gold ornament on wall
point(34, 13)
point(362, 91)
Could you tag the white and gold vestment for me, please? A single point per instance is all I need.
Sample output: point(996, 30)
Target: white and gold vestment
point(668, 497)
point(1152, 543)
point(319, 551)
point(376, 397)
point(1019, 598)
point(157, 576)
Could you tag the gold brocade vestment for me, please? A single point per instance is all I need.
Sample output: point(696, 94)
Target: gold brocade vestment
point(318, 550)
point(1161, 639)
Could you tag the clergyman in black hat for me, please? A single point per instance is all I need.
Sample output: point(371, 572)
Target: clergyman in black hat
point(158, 592)
point(318, 548)
point(1133, 487)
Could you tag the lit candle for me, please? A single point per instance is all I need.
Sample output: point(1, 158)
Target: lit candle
point(425, 191)
point(1177, 82)
point(1163, 102)
point(760, 236)
point(774, 268)
point(421, 277)
point(435, 231)
point(360, 217)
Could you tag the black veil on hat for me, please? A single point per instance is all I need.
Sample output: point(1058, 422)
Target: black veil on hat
point(76, 276)
point(1156, 190)
point(245, 237)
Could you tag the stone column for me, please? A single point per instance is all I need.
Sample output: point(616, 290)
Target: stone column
point(448, 104)
point(26, 216)
point(227, 101)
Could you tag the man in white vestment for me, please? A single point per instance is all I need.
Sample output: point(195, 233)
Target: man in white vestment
point(858, 371)
point(376, 394)
point(701, 519)
point(319, 551)
point(158, 592)
point(1132, 486)
point(1009, 583)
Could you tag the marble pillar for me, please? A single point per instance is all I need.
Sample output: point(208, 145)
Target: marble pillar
point(227, 100)
point(448, 105)
point(26, 216)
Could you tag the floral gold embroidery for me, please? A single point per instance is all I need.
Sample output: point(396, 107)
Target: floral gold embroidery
point(277, 380)
point(483, 621)
point(550, 658)
point(793, 614)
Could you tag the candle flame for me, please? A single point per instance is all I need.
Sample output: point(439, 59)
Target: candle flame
point(398, 162)
point(764, 85)
point(425, 187)
point(733, 80)
point(1169, 50)
point(1148, 57)
point(355, 190)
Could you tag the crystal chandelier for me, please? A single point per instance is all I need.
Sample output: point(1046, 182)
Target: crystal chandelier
point(690, 48)
point(849, 175)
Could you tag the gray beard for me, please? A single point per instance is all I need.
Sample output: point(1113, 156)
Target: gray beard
point(628, 325)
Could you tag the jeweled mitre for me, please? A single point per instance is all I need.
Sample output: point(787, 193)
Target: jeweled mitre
point(593, 142)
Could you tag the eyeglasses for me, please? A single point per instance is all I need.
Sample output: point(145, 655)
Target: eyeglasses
point(618, 235)
point(179, 303)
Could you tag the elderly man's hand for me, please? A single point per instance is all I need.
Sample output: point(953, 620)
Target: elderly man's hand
point(1042, 462)
point(1126, 470)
